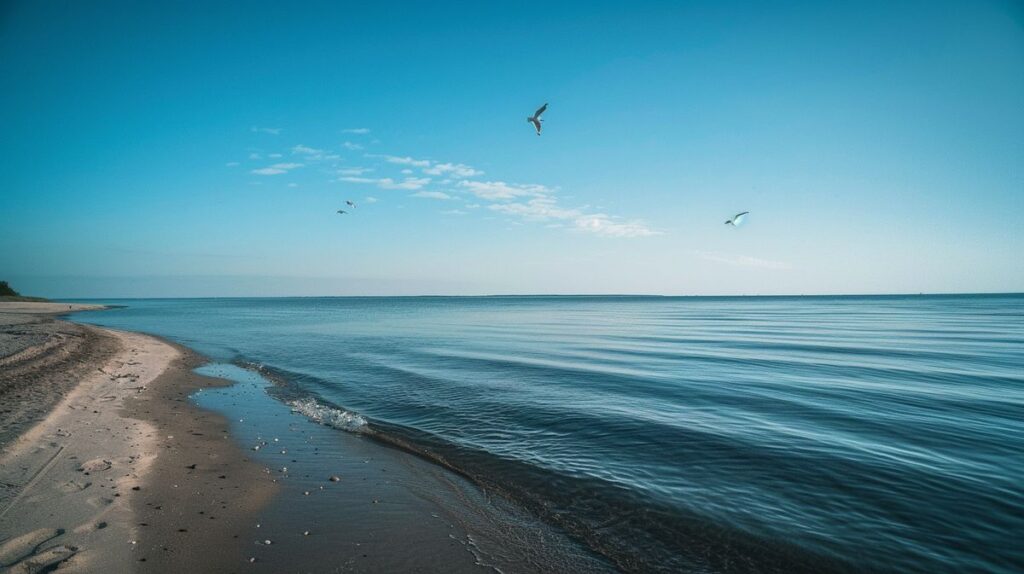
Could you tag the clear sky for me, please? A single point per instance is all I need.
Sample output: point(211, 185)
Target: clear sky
point(204, 148)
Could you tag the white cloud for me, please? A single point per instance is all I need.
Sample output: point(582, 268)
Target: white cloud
point(538, 209)
point(407, 161)
point(546, 209)
point(255, 155)
point(370, 199)
point(432, 194)
point(498, 190)
point(271, 131)
point(455, 169)
point(742, 260)
point(359, 131)
point(293, 184)
point(231, 164)
point(351, 171)
point(274, 155)
point(306, 150)
point(313, 154)
point(407, 171)
point(276, 169)
point(409, 183)
point(602, 224)
point(453, 212)
point(351, 146)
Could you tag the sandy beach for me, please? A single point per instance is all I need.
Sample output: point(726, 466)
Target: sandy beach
point(118, 457)
point(111, 469)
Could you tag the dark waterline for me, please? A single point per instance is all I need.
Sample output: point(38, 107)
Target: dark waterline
point(709, 434)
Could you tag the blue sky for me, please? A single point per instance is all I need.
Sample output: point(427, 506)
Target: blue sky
point(203, 150)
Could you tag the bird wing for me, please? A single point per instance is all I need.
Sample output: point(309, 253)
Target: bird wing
point(739, 217)
point(536, 124)
point(540, 111)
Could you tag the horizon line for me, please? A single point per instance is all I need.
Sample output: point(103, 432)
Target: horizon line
point(553, 295)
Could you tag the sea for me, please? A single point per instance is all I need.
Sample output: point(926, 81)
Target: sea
point(672, 434)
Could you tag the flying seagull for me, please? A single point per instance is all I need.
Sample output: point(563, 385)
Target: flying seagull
point(349, 202)
point(737, 219)
point(342, 211)
point(535, 118)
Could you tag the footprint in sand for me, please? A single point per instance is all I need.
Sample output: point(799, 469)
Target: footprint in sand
point(90, 527)
point(99, 501)
point(44, 560)
point(18, 548)
point(74, 486)
point(95, 465)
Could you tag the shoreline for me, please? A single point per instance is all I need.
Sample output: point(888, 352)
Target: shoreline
point(100, 483)
point(143, 467)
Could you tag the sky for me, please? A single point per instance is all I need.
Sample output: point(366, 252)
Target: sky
point(203, 149)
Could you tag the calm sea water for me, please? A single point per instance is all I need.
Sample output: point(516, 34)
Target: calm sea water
point(759, 434)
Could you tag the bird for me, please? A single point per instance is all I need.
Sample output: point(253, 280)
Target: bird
point(535, 118)
point(342, 211)
point(737, 219)
point(349, 202)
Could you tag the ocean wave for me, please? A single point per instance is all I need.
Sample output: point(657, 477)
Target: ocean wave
point(329, 416)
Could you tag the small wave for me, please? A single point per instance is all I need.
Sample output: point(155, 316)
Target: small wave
point(329, 416)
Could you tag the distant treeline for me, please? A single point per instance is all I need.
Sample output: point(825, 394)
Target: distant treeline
point(7, 291)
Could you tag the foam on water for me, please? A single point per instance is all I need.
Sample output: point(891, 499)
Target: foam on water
point(329, 416)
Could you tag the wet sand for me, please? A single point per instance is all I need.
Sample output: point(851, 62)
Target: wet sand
point(122, 474)
point(126, 459)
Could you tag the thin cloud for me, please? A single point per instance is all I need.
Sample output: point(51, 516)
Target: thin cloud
point(357, 131)
point(351, 146)
point(409, 183)
point(454, 169)
point(499, 190)
point(277, 169)
point(546, 209)
point(313, 154)
point(537, 209)
point(607, 226)
point(271, 131)
point(432, 195)
point(407, 161)
point(354, 171)
point(306, 150)
point(232, 164)
point(370, 199)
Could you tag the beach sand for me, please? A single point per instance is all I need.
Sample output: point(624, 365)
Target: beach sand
point(117, 456)
point(119, 472)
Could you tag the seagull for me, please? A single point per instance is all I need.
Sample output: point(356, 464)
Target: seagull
point(535, 118)
point(342, 211)
point(737, 219)
point(349, 202)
